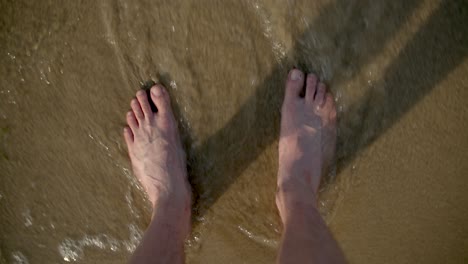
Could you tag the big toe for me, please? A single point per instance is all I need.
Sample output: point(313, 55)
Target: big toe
point(161, 99)
point(294, 86)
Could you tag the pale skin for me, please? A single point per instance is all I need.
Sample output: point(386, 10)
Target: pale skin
point(306, 147)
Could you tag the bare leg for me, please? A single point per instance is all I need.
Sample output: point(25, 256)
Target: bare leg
point(307, 145)
point(158, 161)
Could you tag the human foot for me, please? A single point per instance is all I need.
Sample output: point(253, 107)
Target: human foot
point(156, 153)
point(307, 140)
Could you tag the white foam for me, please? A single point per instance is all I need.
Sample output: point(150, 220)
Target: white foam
point(259, 239)
point(73, 250)
point(28, 220)
point(19, 258)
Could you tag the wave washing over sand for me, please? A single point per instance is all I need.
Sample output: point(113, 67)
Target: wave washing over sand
point(398, 70)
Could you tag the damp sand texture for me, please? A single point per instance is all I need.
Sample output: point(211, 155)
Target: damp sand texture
point(398, 70)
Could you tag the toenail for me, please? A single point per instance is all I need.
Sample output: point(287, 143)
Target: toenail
point(296, 75)
point(156, 91)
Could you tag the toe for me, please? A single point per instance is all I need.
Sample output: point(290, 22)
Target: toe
point(144, 103)
point(137, 109)
point(132, 121)
point(294, 84)
point(311, 87)
point(320, 95)
point(160, 98)
point(128, 135)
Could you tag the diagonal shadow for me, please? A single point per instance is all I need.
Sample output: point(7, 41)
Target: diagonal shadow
point(434, 51)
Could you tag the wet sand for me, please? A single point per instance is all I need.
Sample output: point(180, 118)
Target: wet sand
point(397, 68)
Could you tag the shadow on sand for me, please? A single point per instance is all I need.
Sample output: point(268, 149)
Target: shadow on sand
point(439, 46)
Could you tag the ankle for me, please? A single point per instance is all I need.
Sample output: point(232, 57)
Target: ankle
point(171, 205)
point(174, 221)
point(294, 211)
point(293, 198)
point(171, 214)
point(296, 190)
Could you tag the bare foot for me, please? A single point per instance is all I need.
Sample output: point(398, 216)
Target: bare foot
point(156, 153)
point(307, 141)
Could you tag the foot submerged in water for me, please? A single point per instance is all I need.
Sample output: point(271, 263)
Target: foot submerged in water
point(307, 140)
point(156, 154)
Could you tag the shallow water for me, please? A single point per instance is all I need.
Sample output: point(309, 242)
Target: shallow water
point(398, 70)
